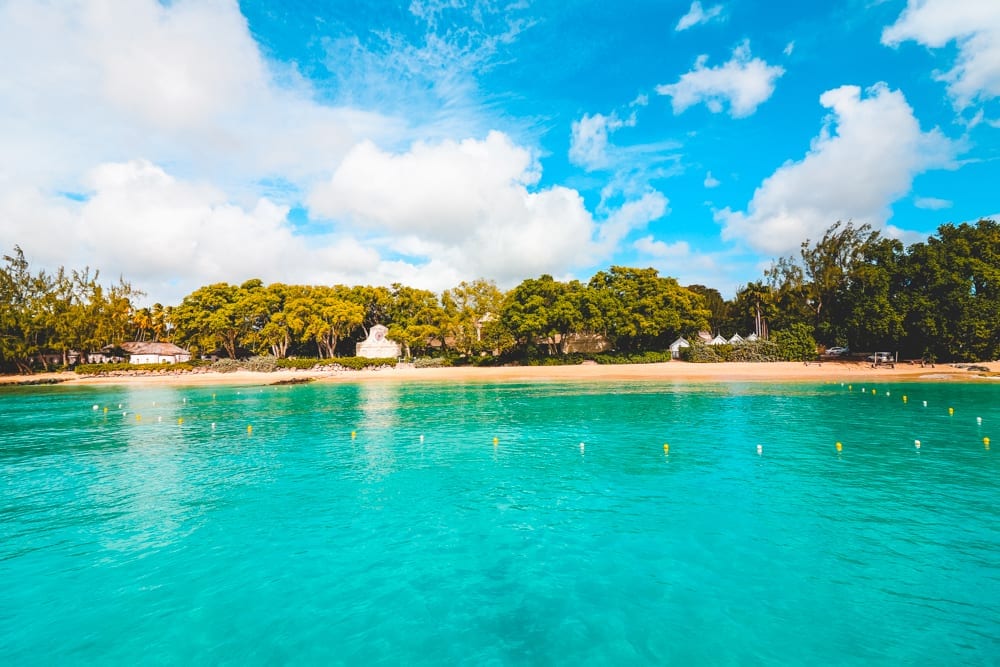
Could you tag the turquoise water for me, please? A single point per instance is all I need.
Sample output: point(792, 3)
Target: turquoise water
point(161, 542)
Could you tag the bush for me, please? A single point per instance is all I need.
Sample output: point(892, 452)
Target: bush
point(649, 357)
point(299, 363)
point(261, 364)
point(796, 343)
point(101, 369)
point(226, 366)
point(431, 362)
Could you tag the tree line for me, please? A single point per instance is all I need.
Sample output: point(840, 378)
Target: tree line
point(853, 287)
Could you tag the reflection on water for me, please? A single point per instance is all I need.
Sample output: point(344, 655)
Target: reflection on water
point(144, 492)
point(379, 403)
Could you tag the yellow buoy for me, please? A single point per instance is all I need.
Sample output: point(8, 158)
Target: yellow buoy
point(105, 410)
point(180, 420)
point(951, 411)
point(839, 447)
point(850, 387)
point(249, 429)
point(666, 448)
point(496, 441)
point(986, 441)
point(904, 398)
point(873, 392)
point(354, 434)
point(138, 418)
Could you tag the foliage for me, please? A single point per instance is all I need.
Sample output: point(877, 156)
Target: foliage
point(431, 362)
point(124, 367)
point(649, 357)
point(939, 298)
point(796, 343)
point(226, 366)
point(261, 364)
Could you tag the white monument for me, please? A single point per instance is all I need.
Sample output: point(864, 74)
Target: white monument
point(377, 346)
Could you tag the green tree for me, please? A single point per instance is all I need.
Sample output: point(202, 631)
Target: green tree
point(796, 343)
point(540, 310)
point(644, 309)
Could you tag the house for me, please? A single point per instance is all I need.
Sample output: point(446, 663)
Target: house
point(718, 340)
point(675, 347)
point(752, 338)
point(142, 352)
point(736, 339)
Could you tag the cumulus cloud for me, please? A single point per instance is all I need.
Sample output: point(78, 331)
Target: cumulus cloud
point(472, 205)
point(865, 158)
point(743, 82)
point(182, 81)
point(711, 181)
point(697, 15)
point(975, 29)
point(169, 236)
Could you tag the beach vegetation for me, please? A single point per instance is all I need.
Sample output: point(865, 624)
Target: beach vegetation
point(938, 299)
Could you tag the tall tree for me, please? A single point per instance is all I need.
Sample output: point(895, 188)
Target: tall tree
point(646, 309)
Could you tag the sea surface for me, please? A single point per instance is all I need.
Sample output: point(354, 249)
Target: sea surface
point(383, 523)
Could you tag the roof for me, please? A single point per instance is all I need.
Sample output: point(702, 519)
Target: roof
point(150, 347)
point(680, 342)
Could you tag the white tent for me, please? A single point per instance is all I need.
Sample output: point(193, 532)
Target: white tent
point(675, 347)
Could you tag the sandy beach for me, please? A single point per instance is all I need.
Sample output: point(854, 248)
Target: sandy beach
point(677, 371)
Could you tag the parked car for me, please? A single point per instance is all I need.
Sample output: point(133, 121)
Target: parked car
point(837, 351)
point(881, 357)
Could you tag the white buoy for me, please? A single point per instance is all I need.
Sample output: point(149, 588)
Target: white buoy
point(185, 400)
point(119, 406)
point(979, 420)
point(581, 447)
point(887, 393)
point(159, 419)
point(760, 450)
point(916, 443)
point(213, 426)
point(925, 404)
point(95, 407)
point(421, 437)
point(124, 413)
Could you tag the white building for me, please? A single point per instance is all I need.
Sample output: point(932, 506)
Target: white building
point(155, 353)
point(675, 347)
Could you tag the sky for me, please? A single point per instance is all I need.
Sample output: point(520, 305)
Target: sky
point(180, 143)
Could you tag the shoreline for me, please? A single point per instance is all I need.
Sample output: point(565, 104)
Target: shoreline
point(674, 371)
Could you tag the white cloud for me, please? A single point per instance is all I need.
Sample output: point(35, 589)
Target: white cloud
point(169, 236)
point(932, 203)
point(711, 181)
point(697, 15)
point(722, 270)
point(743, 82)
point(974, 25)
point(789, 48)
point(588, 146)
point(471, 205)
point(865, 158)
point(182, 83)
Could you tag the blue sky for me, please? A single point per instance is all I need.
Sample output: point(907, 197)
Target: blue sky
point(429, 142)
